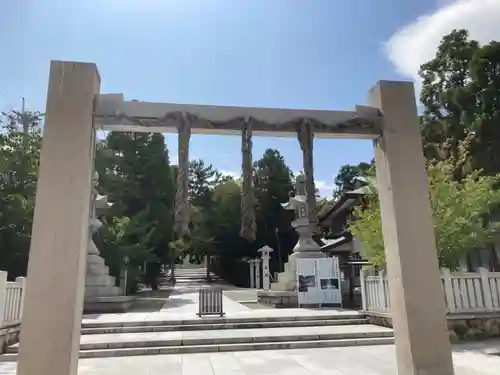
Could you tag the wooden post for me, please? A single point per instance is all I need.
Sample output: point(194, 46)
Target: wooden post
point(448, 290)
point(362, 278)
point(486, 289)
point(3, 294)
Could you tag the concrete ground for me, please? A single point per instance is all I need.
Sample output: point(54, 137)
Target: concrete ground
point(372, 360)
point(470, 359)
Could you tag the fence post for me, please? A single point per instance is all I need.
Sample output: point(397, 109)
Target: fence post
point(485, 283)
point(383, 299)
point(22, 282)
point(362, 278)
point(448, 290)
point(3, 294)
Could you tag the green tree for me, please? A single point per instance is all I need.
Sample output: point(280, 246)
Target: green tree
point(446, 95)
point(459, 212)
point(485, 74)
point(135, 173)
point(346, 177)
point(229, 249)
point(202, 180)
point(460, 98)
point(19, 159)
point(117, 245)
point(273, 184)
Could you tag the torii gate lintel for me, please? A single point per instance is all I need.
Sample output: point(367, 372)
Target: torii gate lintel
point(113, 112)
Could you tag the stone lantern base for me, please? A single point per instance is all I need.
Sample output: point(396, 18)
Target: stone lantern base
point(278, 298)
point(287, 280)
point(101, 293)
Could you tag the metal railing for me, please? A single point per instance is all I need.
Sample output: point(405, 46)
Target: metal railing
point(210, 302)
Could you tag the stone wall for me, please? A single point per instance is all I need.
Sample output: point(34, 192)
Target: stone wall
point(9, 335)
point(461, 327)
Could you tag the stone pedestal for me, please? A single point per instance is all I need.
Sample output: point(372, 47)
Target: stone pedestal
point(101, 293)
point(278, 299)
point(306, 247)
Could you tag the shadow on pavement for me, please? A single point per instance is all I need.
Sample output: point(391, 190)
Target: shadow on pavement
point(150, 300)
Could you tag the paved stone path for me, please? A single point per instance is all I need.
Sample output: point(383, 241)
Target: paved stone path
point(371, 360)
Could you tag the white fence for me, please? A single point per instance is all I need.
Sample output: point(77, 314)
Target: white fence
point(11, 298)
point(471, 292)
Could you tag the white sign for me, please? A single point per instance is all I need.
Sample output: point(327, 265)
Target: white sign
point(318, 281)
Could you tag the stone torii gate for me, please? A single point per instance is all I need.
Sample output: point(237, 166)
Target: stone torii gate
point(75, 109)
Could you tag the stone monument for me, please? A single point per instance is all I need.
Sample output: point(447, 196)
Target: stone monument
point(283, 291)
point(101, 292)
point(266, 256)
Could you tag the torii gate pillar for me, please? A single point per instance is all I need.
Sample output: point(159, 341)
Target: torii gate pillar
point(50, 334)
point(417, 301)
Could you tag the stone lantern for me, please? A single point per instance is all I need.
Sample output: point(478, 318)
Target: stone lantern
point(101, 292)
point(306, 247)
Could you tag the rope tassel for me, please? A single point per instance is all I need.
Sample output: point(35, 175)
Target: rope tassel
point(181, 219)
point(248, 225)
point(305, 135)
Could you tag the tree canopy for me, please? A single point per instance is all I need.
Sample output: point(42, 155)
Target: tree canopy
point(136, 175)
point(460, 135)
point(460, 210)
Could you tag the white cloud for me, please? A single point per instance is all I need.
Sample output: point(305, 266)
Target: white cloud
point(235, 175)
point(416, 43)
point(325, 188)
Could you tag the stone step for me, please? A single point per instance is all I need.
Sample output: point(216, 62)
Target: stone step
point(217, 326)
point(272, 344)
point(228, 336)
point(223, 320)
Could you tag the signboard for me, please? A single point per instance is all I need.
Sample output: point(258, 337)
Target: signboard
point(318, 281)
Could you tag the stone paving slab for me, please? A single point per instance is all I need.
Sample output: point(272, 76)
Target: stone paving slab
point(177, 337)
point(373, 360)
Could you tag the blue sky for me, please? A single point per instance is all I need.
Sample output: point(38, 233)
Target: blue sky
point(273, 53)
